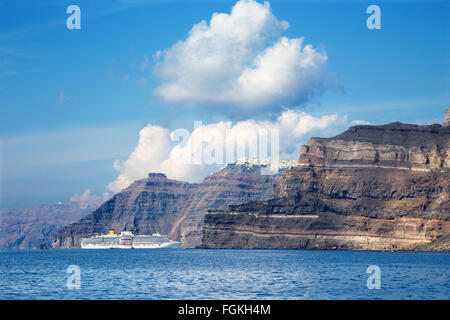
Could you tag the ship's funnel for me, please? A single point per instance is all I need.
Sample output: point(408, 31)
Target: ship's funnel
point(112, 231)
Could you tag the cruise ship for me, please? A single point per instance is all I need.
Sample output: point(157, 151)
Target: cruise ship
point(127, 240)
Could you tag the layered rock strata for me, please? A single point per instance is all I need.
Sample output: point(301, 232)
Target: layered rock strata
point(369, 188)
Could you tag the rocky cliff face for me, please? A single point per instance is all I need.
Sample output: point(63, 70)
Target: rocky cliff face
point(34, 227)
point(369, 188)
point(158, 204)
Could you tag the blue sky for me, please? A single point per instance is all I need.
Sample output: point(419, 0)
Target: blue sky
point(73, 101)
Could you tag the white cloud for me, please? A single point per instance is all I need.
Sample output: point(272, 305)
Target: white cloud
point(86, 198)
point(297, 127)
point(205, 149)
point(241, 60)
point(152, 149)
point(359, 122)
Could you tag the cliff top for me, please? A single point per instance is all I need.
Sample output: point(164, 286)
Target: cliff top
point(396, 133)
point(157, 175)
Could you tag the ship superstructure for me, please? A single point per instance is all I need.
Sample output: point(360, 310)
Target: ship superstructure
point(127, 240)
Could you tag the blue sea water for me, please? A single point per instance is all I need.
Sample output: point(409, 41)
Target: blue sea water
point(222, 274)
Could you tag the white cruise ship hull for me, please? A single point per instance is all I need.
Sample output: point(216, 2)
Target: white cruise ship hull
point(134, 246)
point(126, 240)
point(157, 246)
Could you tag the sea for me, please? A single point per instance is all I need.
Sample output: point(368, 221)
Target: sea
point(223, 274)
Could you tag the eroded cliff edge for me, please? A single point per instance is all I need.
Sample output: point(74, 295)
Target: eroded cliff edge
point(369, 188)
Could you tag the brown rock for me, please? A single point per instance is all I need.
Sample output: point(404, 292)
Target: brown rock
point(369, 188)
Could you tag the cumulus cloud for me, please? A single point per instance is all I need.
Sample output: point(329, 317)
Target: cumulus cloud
point(296, 127)
point(190, 156)
point(153, 148)
point(87, 198)
point(241, 60)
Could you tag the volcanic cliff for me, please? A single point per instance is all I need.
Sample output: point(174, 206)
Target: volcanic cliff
point(370, 188)
point(34, 227)
point(176, 208)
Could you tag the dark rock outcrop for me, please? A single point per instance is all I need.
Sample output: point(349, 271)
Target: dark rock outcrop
point(370, 188)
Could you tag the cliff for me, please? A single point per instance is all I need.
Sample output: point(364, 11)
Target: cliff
point(176, 208)
point(369, 188)
point(34, 227)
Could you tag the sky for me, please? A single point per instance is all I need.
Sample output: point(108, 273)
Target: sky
point(98, 107)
